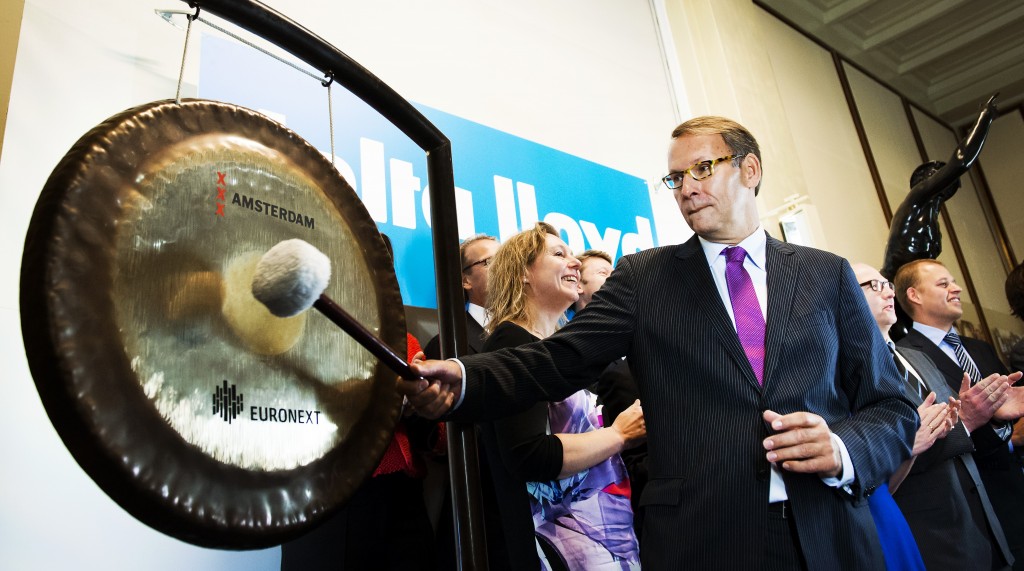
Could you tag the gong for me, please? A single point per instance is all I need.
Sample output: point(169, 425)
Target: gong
point(189, 404)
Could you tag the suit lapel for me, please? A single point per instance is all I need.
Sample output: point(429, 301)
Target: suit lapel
point(949, 369)
point(693, 273)
point(782, 269)
point(918, 361)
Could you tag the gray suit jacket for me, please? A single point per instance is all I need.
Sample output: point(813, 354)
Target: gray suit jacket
point(707, 499)
point(943, 498)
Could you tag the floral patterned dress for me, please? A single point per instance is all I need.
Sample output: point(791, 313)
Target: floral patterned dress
point(586, 517)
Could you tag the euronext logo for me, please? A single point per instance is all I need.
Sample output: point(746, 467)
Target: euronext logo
point(227, 402)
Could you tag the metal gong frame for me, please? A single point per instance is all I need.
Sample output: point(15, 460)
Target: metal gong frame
point(274, 27)
point(209, 524)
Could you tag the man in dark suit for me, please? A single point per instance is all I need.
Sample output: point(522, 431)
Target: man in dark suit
point(931, 297)
point(476, 253)
point(772, 406)
point(939, 490)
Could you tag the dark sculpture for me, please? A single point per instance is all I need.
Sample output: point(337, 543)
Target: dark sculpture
point(914, 233)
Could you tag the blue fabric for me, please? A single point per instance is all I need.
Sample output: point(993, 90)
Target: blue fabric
point(898, 545)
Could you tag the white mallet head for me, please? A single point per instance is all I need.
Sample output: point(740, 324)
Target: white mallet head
point(290, 277)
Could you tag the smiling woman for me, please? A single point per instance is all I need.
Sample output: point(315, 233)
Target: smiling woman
point(532, 281)
point(558, 493)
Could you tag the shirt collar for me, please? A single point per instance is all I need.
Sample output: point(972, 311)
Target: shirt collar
point(934, 334)
point(754, 244)
point(478, 313)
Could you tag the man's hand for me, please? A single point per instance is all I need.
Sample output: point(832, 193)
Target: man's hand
point(980, 402)
point(1013, 408)
point(434, 394)
point(802, 443)
point(936, 423)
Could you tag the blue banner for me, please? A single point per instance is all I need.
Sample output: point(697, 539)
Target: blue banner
point(503, 183)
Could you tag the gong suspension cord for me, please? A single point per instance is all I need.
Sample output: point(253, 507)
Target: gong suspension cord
point(325, 81)
point(184, 54)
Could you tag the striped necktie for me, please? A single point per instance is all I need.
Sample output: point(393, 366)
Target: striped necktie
point(966, 363)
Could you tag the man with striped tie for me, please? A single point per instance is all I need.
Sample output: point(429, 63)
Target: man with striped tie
point(931, 297)
point(939, 489)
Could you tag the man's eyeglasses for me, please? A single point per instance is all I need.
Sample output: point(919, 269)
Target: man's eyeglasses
point(699, 171)
point(484, 262)
point(879, 285)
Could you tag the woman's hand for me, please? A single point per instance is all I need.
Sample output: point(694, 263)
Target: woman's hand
point(630, 424)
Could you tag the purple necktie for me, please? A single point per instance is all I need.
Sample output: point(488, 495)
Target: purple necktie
point(746, 309)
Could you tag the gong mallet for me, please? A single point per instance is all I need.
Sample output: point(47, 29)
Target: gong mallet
point(292, 276)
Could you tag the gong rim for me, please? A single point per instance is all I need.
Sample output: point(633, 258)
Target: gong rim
point(85, 378)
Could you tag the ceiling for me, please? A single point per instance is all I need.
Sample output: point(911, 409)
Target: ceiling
point(946, 56)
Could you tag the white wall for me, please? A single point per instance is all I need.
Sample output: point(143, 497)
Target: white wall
point(742, 63)
point(583, 76)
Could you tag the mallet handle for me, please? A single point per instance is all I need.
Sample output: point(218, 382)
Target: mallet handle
point(341, 318)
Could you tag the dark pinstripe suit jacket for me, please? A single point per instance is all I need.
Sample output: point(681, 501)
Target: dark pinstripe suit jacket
point(707, 498)
point(1000, 471)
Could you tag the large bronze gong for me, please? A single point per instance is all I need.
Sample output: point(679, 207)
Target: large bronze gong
point(193, 407)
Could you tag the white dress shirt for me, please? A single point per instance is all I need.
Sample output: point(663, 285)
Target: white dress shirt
point(478, 313)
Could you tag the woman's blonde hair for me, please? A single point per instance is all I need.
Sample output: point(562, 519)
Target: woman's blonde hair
point(506, 290)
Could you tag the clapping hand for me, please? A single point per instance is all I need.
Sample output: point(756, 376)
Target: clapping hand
point(1013, 407)
point(981, 401)
point(936, 422)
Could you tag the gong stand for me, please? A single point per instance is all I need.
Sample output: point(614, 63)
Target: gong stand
point(183, 398)
point(276, 28)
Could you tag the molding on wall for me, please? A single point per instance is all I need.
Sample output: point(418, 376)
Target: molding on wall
point(995, 221)
point(862, 134)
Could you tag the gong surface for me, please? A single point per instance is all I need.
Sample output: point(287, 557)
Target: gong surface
point(192, 406)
